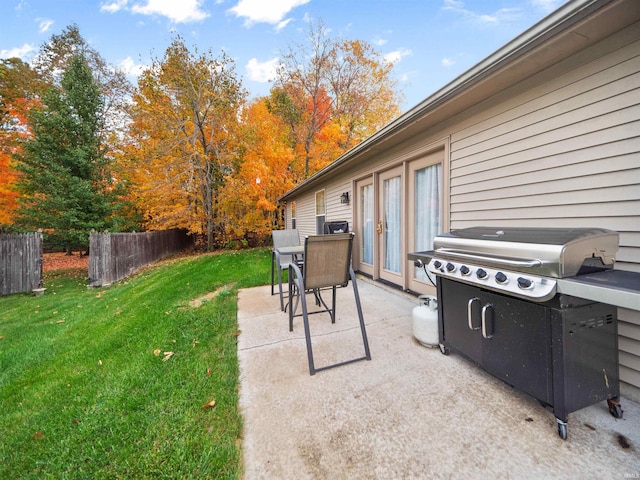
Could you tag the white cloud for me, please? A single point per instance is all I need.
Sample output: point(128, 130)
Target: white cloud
point(397, 55)
point(261, 11)
point(130, 68)
point(283, 24)
point(499, 16)
point(44, 24)
point(177, 11)
point(378, 40)
point(447, 62)
point(113, 6)
point(19, 52)
point(262, 71)
point(547, 5)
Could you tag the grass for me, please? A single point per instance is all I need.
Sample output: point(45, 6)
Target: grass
point(89, 390)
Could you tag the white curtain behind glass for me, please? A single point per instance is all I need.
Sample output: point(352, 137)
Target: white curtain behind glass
point(392, 204)
point(366, 201)
point(428, 212)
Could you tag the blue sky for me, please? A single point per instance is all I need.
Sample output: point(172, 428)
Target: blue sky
point(431, 41)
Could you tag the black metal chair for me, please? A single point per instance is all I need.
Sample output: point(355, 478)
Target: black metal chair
point(325, 266)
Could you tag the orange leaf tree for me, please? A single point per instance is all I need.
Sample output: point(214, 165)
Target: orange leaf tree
point(332, 94)
point(20, 89)
point(184, 139)
point(264, 172)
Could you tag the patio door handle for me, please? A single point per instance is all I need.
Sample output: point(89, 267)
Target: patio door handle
point(379, 227)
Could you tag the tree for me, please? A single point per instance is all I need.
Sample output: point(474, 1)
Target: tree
point(20, 91)
point(333, 94)
point(22, 88)
point(64, 182)
point(249, 196)
point(184, 123)
point(54, 57)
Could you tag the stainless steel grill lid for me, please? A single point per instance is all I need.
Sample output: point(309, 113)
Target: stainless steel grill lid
point(551, 252)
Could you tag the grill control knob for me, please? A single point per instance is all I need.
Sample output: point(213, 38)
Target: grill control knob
point(464, 270)
point(524, 283)
point(501, 277)
point(481, 274)
point(437, 264)
point(450, 267)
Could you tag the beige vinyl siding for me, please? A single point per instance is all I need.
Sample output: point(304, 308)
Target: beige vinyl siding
point(561, 150)
point(306, 214)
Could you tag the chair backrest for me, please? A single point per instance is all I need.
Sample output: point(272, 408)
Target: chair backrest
point(336, 227)
point(327, 259)
point(285, 238)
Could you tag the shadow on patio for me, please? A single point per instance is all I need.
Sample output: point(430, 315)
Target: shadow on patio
point(410, 412)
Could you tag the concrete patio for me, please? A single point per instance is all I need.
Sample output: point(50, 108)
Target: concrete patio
point(409, 413)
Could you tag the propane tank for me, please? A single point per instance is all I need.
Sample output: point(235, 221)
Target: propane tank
point(425, 321)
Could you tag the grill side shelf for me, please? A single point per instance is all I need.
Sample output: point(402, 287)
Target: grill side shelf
point(614, 287)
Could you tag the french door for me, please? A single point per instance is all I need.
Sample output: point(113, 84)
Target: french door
point(399, 211)
point(390, 226)
point(366, 220)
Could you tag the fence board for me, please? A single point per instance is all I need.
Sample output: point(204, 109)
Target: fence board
point(114, 256)
point(20, 263)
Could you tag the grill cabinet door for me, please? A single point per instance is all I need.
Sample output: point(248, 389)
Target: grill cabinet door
point(453, 308)
point(519, 348)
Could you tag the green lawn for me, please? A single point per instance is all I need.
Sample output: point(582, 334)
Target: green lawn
point(89, 388)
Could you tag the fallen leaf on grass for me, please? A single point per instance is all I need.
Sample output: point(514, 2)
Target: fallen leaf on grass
point(211, 404)
point(167, 356)
point(100, 362)
point(60, 321)
point(38, 435)
point(208, 372)
point(156, 352)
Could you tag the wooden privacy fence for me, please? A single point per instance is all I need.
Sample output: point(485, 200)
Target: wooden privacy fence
point(114, 256)
point(20, 263)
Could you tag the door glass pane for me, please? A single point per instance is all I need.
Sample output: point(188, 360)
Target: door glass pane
point(392, 234)
point(428, 216)
point(366, 220)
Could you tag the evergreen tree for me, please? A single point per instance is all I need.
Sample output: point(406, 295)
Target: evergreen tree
point(64, 184)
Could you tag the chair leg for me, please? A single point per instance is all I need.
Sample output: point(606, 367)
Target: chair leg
point(280, 288)
point(273, 261)
point(365, 341)
point(307, 333)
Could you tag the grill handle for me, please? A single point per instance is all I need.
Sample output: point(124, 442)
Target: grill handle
point(487, 321)
point(495, 260)
point(472, 302)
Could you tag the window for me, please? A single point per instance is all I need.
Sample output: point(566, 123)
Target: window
point(293, 215)
point(321, 212)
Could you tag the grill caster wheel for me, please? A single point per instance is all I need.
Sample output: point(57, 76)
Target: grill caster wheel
point(615, 408)
point(562, 429)
point(444, 350)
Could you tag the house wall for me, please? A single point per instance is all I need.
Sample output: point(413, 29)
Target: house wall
point(560, 149)
point(563, 152)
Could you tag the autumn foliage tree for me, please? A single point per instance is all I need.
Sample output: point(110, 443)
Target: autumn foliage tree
point(183, 139)
point(20, 91)
point(264, 172)
point(332, 94)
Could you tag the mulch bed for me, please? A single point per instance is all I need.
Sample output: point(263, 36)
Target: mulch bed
point(62, 261)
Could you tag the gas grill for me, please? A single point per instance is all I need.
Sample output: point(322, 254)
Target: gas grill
point(502, 304)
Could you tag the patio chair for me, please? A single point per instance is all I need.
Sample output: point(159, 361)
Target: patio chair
point(282, 238)
point(325, 266)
